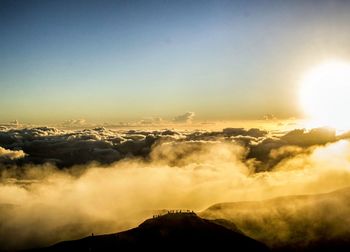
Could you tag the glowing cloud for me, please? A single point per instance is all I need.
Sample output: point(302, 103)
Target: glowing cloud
point(11, 154)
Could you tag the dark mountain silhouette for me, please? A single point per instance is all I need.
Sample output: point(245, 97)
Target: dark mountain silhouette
point(319, 222)
point(169, 232)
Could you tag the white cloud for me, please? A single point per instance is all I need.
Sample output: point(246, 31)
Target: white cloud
point(184, 118)
point(11, 154)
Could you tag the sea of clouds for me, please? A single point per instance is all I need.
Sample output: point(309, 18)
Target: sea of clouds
point(60, 184)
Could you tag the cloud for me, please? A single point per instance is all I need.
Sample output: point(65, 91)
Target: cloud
point(264, 150)
point(114, 179)
point(13, 124)
point(74, 123)
point(151, 121)
point(43, 204)
point(254, 132)
point(184, 118)
point(66, 148)
point(298, 221)
point(301, 222)
point(11, 154)
point(317, 136)
point(63, 147)
point(270, 117)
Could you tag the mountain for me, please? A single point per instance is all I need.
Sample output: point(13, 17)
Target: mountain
point(292, 223)
point(170, 232)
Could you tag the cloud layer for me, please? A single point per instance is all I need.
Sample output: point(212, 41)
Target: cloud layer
point(67, 148)
point(61, 184)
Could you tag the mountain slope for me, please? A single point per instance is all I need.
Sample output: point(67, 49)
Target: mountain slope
point(172, 231)
point(306, 222)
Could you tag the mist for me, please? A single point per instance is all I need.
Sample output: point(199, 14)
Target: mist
point(41, 204)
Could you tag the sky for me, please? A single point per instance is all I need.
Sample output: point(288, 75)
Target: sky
point(127, 60)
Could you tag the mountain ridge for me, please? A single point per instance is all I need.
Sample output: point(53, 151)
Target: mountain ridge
point(309, 222)
point(168, 232)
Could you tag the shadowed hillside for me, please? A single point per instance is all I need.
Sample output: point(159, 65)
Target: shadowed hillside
point(172, 231)
point(307, 222)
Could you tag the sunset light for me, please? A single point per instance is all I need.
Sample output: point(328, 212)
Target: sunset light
point(325, 92)
point(174, 125)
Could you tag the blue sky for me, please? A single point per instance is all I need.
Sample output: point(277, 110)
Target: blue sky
point(125, 60)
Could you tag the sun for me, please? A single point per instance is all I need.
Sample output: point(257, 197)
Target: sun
point(325, 94)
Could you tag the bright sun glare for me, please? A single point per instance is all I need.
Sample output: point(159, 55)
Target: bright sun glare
point(325, 94)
